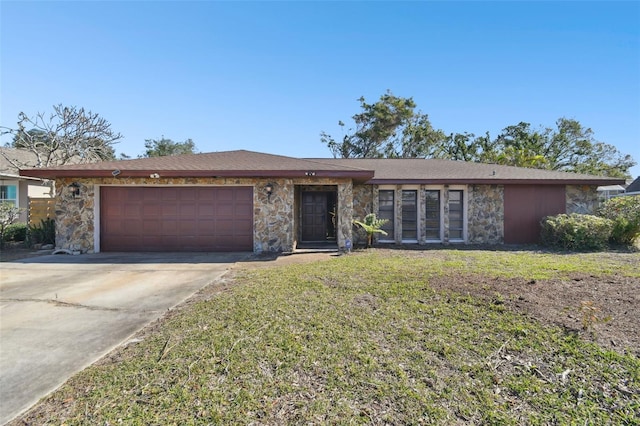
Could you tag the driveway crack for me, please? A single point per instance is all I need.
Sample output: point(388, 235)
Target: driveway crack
point(64, 304)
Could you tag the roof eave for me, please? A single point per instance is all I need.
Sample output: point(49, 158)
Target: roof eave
point(458, 181)
point(359, 175)
point(8, 176)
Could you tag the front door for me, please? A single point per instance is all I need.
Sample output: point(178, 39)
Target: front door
point(317, 223)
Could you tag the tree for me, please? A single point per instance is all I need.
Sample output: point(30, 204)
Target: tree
point(569, 147)
point(165, 147)
point(460, 147)
point(388, 128)
point(68, 135)
point(419, 139)
point(606, 160)
point(392, 128)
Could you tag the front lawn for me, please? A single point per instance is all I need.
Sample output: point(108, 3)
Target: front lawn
point(380, 337)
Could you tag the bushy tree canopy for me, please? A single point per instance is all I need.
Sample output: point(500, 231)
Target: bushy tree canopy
point(392, 128)
point(388, 128)
point(164, 147)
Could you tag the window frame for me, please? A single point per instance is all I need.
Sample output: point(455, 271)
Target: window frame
point(463, 206)
point(15, 201)
point(440, 191)
point(395, 236)
point(390, 238)
point(416, 192)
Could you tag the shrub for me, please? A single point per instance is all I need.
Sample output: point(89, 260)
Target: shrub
point(576, 231)
point(43, 233)
point(15, 232)
point(625, 214)
point(9, 213)
point(371, 225)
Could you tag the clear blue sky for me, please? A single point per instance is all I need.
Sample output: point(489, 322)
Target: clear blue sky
point(270, 76)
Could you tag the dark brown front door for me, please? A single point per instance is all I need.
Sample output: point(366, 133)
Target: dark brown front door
point(176, 218)
point(316, 222)
point(525, 206)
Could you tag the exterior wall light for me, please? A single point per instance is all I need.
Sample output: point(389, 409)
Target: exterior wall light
point(74, 189)
point(269, 190)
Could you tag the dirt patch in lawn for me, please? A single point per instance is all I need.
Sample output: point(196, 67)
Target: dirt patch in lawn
point(601, 309)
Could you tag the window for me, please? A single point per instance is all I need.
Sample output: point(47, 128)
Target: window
point(456, 216)
point(9, 194)
point(385, 211)
point(432, 214)
point(410, 215)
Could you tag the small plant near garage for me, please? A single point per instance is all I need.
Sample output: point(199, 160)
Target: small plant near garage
point(371, 225)
point(43, 233)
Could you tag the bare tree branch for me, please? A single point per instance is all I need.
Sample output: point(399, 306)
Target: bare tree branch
point(68, 135)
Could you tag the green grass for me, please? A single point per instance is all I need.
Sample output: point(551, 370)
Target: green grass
point(527, 264)
point(363, 339)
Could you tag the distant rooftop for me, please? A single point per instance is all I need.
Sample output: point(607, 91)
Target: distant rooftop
point(634, 187)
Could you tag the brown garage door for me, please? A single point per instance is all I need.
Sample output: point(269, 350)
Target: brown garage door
point(525, 206)
point(176, 218)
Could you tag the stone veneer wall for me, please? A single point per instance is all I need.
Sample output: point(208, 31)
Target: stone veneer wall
point(274, 217)
point(581, 199)
point(397, 216)
point(345, 214)
point(75, 215)
point(365, 201)
point(485, 214)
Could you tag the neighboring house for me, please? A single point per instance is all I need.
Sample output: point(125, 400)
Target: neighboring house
point(633, 188)
point(18, 189)
point(609, 191)
point(249, 201)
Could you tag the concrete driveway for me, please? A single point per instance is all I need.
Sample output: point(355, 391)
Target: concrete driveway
point(59, 314)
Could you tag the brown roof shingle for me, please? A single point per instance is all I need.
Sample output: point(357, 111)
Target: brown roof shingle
point(19, 156)
point(243, 163)
point(225, 163)
point(416, 170)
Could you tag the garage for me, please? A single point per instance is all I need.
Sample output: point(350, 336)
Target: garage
point(176, 218)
